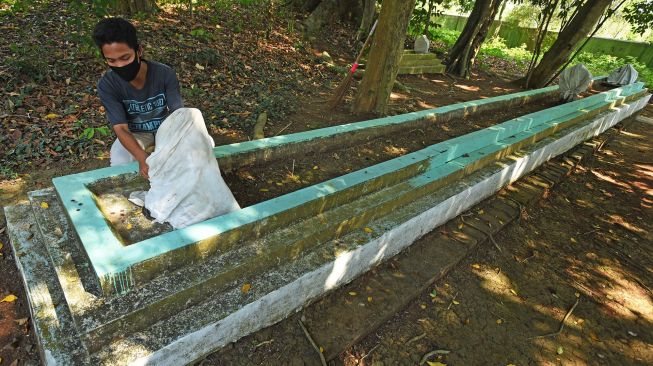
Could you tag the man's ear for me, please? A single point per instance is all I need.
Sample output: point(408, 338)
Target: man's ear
point(139, 52)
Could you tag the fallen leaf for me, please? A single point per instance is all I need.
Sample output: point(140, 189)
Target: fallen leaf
point(434, 293)
point(560, 350)
point(513, 292)
point(21, 321)
point(423, 306)
point(321, 349)
point(431, 363)
point(44, 205)
point(352, 293)
point(51, 116)
point(263, 190)
point(594, 337)
point(476, 266)
point(9, 298)
point(455, 302)
point(129, 226)
point(369, 299)
point(199, 67)
point(246, 287)
point(368, 230)
point(315, 167)
point(499, 321)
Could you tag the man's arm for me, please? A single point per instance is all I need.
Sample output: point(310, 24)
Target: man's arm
point(129, 142)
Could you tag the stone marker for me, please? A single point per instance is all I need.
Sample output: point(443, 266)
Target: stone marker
point(422, 44)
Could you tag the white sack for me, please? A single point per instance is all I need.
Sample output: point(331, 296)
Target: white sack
point(623, 76)
point(574, 81)
point(185, 182)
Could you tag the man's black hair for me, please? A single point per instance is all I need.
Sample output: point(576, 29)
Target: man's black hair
point(111, 30)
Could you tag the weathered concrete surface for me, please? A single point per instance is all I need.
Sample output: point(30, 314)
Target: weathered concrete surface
point(228, 313)
point(121, 268)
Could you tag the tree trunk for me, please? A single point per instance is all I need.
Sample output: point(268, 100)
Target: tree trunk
point(429, 14)
point(136, 6)
point(310, 5)
point(578, 28)
point(384, 57)
point(328, 11)
point(369, 9)
point(464, 51)
point(500, 17)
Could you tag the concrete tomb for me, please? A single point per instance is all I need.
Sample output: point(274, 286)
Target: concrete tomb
point(103, 293)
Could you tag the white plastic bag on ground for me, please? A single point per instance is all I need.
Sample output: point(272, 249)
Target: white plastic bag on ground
point(623, 76)
point(185, 182)
point(574, 81)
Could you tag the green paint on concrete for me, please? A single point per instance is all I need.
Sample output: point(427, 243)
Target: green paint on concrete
point(123, 267)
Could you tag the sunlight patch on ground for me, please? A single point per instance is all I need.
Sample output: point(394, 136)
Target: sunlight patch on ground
point(438, 81)
point(397, 96)
point(425, 105)
point(467, 87)
point(626, 298)
point(645, 169)
point(609, 179)
point(630, 134)
point(396, 151)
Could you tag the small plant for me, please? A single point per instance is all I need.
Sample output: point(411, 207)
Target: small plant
point(89, 132)
point(201, 34)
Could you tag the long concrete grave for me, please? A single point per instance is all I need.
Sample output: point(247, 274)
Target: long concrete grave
point(173, 298)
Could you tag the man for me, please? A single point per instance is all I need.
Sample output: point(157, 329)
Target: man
point(136, 94)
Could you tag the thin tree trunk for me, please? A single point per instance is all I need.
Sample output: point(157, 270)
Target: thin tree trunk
point(328, 11)
point(464, 51)
point(310, 5)
point(136, 6)
point(429, 14)
point(498, 28)
point(543, 28)
point(369, 8)
point(384, 57)
point(577, 29)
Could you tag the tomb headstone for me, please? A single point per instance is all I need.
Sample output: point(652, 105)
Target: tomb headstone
point(422, 44)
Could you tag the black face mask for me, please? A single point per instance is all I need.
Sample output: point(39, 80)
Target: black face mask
point(129, 71)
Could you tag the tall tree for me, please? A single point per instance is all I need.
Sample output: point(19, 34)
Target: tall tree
point(136, 6)
point(576, 30)
point(369, 10)
point(464, 51)
point(328, 11)
point(384, 57)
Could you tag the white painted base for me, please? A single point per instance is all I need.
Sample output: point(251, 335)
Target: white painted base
point(278, 304)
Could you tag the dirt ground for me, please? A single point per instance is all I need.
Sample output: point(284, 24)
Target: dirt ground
point(17, 339)
point(586, 247)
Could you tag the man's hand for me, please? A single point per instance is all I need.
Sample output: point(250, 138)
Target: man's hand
point(129, 142)
point(143, 169)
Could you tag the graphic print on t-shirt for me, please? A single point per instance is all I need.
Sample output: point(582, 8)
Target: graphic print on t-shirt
point(147, 115)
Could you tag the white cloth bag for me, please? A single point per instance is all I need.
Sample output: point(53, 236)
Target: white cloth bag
point(185, 182)
point(573, 81)
point(624, 75)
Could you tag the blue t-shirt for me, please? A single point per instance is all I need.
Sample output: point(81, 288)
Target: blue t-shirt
point(142, 109)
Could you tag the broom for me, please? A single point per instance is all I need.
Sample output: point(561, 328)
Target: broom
point(344, 85)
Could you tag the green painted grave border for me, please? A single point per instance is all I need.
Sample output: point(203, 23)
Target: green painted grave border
point(113, 262)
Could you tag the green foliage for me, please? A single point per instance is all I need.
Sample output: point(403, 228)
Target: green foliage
point(27, 61)
point(524, 15)
point(202, 34)
point(442, 39)
point(89, 132)
point(640, 15)
point(496, 46)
